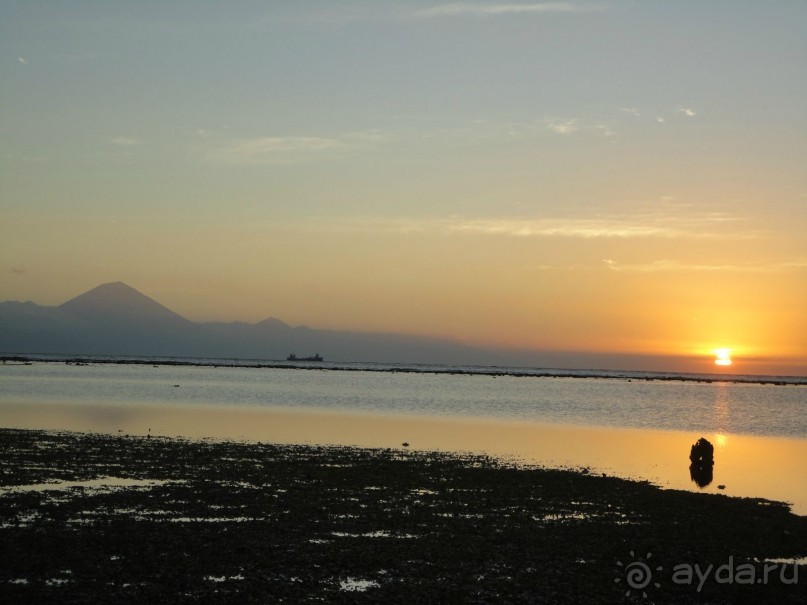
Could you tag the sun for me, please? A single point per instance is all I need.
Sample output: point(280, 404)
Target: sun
point(723, 357)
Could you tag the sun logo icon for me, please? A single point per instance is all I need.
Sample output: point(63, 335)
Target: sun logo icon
point(638, 575)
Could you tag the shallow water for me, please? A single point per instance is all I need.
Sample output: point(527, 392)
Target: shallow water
point(747, 465)
point(718, 407)
point(640, 429)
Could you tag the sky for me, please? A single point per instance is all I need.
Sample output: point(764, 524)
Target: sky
point(610, 176)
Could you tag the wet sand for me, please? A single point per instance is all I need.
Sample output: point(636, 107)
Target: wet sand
point(138, 519)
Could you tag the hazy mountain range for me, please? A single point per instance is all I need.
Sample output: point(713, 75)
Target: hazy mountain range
point(116, 319)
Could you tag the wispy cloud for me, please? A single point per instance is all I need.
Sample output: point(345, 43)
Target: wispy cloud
point(342, 12)
point(582, 228)
point(281, 150)
point(660, 116)
point(566, 126)
point(672, 265)
point(571, 227)
point(561, 125)
point(272, 145)
point(493, 9)
point(125, 141)
point(297, 149)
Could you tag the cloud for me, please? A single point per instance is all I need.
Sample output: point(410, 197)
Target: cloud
point(271, 145)
point(369, 137)
point(296, 149)
point(671, 265)
point(492, 9)
point(660, 117)
point(582, 228)
point(537, 127)
point(572, 227)
point(125, 141)
point(22, 61)
point(344, 12)
point(567, 126)
point(282, 150)
point(564, 126)
point(604, 129)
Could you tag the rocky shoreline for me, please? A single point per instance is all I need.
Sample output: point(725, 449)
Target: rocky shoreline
point(405, 369)
point(96, 517)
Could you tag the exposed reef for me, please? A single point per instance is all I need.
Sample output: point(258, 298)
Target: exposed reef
point(88, 517)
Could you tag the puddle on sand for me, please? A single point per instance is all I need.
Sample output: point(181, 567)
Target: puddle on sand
point(371, 534)
point(357, 584)
point(102, 483)
point(799, 561)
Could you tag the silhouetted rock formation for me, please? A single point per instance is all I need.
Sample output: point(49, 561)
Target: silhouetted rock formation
point(701, 457)
point(702, 452)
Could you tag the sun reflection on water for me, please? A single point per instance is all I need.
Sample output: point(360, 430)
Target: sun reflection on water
point(721, 411)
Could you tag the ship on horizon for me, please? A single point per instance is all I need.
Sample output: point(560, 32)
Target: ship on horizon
point(315, 357)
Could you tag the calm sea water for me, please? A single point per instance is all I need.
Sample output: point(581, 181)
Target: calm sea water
point(626, 400)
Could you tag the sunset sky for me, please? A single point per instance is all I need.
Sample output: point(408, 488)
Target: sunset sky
point(607, 176)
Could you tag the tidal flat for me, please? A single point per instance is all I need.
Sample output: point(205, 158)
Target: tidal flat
point(89, 517)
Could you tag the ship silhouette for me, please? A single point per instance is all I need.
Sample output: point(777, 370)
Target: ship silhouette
point(315, 357)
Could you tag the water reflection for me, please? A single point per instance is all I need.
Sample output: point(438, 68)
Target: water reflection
point(690, 406)
point(721, 410)
point(701, 475)
point(745, 461)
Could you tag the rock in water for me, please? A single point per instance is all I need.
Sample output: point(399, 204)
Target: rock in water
point(701, 457)
point(702, 452)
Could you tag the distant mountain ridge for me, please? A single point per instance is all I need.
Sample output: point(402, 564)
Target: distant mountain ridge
point(116, 319)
